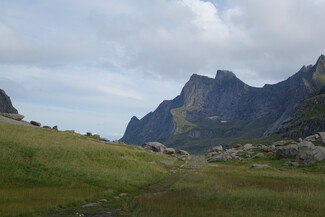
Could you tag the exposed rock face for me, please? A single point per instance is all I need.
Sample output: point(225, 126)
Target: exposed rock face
point(5, 103)
point(224, 107)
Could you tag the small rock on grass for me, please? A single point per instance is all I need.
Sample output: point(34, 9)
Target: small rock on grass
point(260, 166)
point(90, 205)
point(291, 163)
point(123, 194)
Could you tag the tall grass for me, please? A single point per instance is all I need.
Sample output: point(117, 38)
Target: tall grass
point(41, 169)
point(236, 189)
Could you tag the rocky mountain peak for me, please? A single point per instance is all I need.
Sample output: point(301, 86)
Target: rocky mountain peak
point(224, 75)
point(5, 103)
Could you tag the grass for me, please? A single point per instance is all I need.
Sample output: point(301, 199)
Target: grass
point(236, 189)
point(182, 124)
point(42, 170)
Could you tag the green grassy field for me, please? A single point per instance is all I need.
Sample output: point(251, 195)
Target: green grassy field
point(236, 189)
point(43, 170)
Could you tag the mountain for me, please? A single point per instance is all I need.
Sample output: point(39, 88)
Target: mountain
point(219, 110)
point(307, 119)
point(5, 103)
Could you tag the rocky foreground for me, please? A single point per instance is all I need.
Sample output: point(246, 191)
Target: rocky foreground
point(307, 151)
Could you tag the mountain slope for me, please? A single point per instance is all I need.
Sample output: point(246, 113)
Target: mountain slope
point(217, 111)
point(5, 103)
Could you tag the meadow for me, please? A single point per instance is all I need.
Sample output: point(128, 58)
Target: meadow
point(43, 171)
point(234, 188)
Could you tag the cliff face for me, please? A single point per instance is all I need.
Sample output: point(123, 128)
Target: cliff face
point(5, 103)
point(212, 111)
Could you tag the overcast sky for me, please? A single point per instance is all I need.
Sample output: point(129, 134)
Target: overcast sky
point(90, 65)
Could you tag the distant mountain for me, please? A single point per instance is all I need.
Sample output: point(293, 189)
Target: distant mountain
point(5, 103)
point(218, 111)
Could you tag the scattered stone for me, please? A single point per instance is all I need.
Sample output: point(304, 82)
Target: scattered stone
point(260, 166)
point(291, 163)
point(17, 117)
point(123, 194)
point(169, 151)
point(90, 205)
point(249, 154)
point(312, 138)
point(259, 155)
point(103, 201)
point(89, 134)
point(217, 148)
point(55, 128)
point(35, 123)
point(182, 152)
point(47, 127)
point(153, 146)
point(248, 146)
point(213, 165)
point(220, 157)
point(289, 151)
point(167, 163)
point(283, 142)
point(96, 135)
point(300, 140)
point(238, 146)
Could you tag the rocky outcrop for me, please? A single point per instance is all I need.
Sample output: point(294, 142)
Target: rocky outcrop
point(5, 103)
point(239, 110)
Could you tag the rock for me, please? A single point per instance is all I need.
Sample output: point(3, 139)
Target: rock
point(167, 163)
point(291, 163)
point(248, 146)
point(217, 148)
point(311, 138)
point(321, 138)
point(5, 103)
point(220, 157)
point(35, 123)
point(310, 154)
point(17, 117)
point(153, 146)
point(260, 166)
point(47, 127)
point(259, 155)
point(182, 152)
point(249, 154)
point(103, 201)
point(238, 146)
point(271, 148)
point(89, 134)
point(90, 205)
point(282, 142)
point(289, 151)
point(169, 151)
point(96, 135)
point(300, 140)
point(55, 127)
point(123, 194)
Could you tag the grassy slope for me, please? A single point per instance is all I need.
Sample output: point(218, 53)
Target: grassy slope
point(236, 189)
point(42, 169)
point(182, 124)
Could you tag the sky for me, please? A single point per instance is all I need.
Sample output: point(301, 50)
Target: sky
point(90, 65)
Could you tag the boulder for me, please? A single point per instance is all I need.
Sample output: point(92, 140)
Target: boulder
point(182, 152)
point(17, 117)
point(259, 155)
point(35, 123)
point(219, 157)
point(248, 146)
point(310, 154)
point(153, 146)
point(321, 138)
point(97, 135)
point(55, 127)
point(169, 151)
point(260, 166)
point(289, 151)
point(217, 148)
point(283, 142)
point(47, 127)
point(89, 134)
point(249, 154)
point(167, 163)
point(312, 138)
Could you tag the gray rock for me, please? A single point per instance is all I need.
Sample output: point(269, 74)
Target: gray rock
point(219, 157)
point(217, 148)
point(47, 127)
point(17, 117)
point(89, 134)
point(55, 127)
point(283, 142)
point(260, 166)
point(291, 163)
point(289, 151)
point(153, 146)
point(312, 138)
point(167, 163)
point(123, 194)
point(169, 151)
point(259, 155)
point(182, 152)
point(249, 154)
point(90, 205)
point(310, 154)
point(5, 103)
point(96, 135)
point(35, 123)
point(248, 147)
point(321, 138)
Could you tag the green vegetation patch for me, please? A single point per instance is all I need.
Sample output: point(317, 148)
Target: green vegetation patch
point(182, 124)
point(42, 169)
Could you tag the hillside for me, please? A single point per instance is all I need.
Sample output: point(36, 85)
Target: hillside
point(44, 171)
point(307, 119)
point(5, 103)
point(224, 109)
